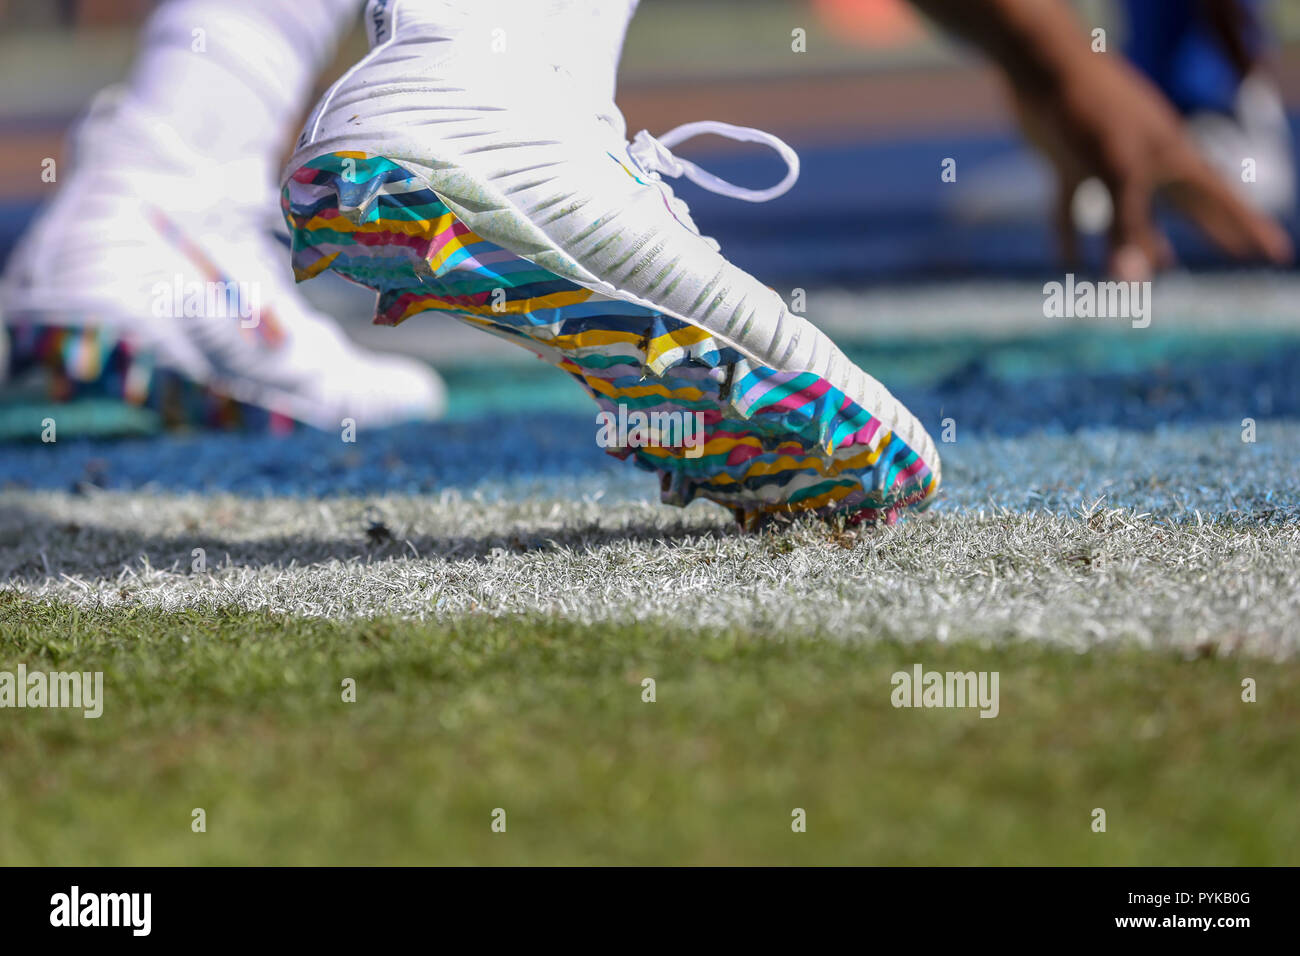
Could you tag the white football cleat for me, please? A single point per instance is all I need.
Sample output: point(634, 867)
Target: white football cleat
point(1252, 148)
point(499, 187)
point(151, 268)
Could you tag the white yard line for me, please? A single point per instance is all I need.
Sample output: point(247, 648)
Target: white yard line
point(1002, 559)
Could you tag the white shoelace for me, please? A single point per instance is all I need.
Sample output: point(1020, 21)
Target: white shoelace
point(655, 155)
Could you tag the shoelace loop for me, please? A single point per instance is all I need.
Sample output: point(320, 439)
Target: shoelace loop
point(655, 155)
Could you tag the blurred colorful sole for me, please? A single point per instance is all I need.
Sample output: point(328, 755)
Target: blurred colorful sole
point(91, 361)
point(774, 442)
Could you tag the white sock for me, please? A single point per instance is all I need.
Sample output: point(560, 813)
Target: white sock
point(230, 78)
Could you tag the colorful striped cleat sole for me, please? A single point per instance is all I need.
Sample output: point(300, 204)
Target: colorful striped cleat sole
point(775, 442)
point(93, 362)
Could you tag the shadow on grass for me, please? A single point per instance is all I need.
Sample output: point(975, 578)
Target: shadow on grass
point(35, 547)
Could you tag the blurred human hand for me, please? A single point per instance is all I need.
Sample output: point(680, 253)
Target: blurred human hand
point(1104, 119)
point(1092, 114)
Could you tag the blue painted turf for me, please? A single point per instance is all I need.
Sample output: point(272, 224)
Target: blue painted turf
point(985, 392)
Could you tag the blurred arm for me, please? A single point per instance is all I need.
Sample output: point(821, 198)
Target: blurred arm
point(1036, 42)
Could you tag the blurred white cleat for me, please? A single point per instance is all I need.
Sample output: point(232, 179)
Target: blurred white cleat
point(152, 264)
point(1252, 148)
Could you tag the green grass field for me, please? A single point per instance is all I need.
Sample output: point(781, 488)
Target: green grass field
point(1123, 582)
point(241, 713)
point(499, 640)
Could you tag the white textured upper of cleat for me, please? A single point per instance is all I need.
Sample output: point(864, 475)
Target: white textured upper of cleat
point(134, 231)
